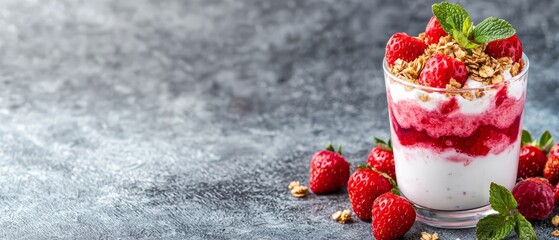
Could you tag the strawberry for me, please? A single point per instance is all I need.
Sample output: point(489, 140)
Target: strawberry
point(392, 217)
point(402, 46)
point(535, 197)
point(381, 158)
point(551, 170)
point(508, 47)
point(363, 187)
point(329, 170)
point(440, 68)
point(434, 31)
point(531, 162)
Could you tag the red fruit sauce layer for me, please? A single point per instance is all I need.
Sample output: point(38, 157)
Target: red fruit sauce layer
point(446, 128)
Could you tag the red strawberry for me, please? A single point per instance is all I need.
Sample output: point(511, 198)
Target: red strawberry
point(363, 187)
point(556, 194)
point(329, 171)
point(535, 198)
point(381, 158)
point(392, 217)
point(532, 158)
point(402, 46)
point(551, 170)
point(434, 31)
point(440, 68)
point(508, 47)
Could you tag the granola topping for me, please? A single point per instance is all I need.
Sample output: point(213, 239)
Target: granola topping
point(481, 67)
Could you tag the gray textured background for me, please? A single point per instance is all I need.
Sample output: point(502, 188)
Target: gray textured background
point(187, 119)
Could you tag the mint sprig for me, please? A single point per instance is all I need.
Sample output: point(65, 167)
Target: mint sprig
point(500, 225)
point(456, 21)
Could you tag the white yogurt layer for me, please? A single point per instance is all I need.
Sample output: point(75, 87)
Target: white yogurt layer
point(467, 107)
point(441, 181)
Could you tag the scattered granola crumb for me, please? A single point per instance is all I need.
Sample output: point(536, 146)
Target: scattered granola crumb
point(298, 190)
point(555, 233)
point(342, 216)
point(427, 236)
point(555, 220)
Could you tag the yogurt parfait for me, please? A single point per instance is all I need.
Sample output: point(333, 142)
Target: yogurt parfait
point(455, 99)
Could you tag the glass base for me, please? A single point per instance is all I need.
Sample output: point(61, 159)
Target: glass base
point(452, 219)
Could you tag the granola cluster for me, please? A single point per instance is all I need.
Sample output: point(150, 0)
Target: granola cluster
point(481, 67)
point(428, 236)
point(342, 216)
point(298, 190)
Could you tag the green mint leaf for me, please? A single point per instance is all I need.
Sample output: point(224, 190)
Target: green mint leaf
point(501, 199)
point(524, 228)
point(468, 27)
point(379, 141)
point(330, 148)
point(526, 137)
point(492, 29)
point(495, 226)
point(546, 141)
point(450, 15)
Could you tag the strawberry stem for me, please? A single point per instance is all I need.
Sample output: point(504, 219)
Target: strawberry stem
point(330, 148)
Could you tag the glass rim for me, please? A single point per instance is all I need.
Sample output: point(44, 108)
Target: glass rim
point(465, 89)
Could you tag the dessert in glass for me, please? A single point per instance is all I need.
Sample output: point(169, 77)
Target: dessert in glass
point(456, 121)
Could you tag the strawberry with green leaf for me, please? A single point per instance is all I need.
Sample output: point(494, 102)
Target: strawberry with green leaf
point(381, 158)
point(532, 157)
point(329, 170)
point(508, 218)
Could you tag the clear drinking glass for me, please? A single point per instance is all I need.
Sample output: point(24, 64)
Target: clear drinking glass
point(449, 145)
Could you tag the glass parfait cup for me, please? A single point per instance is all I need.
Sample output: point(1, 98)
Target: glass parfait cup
point(450, 144)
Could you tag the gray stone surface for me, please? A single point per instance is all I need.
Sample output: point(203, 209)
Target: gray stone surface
point(187, 119)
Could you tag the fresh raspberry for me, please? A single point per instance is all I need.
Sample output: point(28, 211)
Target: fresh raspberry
point(531, 162)
point(402, 46)
point(551, 170)
point(440, 68)
point(535, 198)
point(392, 217)
point(363, 187)
point(434, 31)
point(508, 47)
point(556, 194)
point(329, 171)
point(381, 158)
